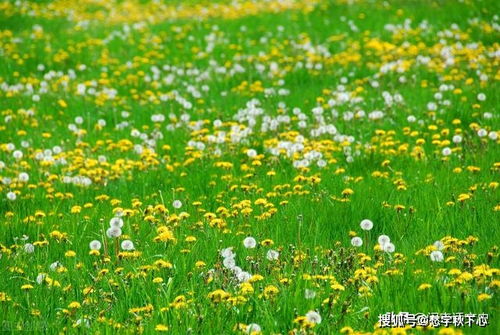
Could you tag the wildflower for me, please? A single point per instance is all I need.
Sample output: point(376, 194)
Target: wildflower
point(383, 239)
point(424, 286)
point(253, 328)
point(337, 287)
point(95, 245)
point(347, 192)
point(439, 245)
point(457, 139)
point(251, 153)
point(356, 241)
point(270, 291)
point(161, 328)
point(116, 222)
point(190, 239)
point(249, 242)
point(229, 263)
point(164, 235)
point(366, 224)
point(309, 294)
point(113, 232)
point(40, 278)
point(436, 256)
point(267, 242)
point(177, 204)
point(244, 276)
point(272, 255)
point(85, 322)
point(483, 296)
point(18, 154)
point(227, 253)
point(313, 317)
point(55, 265)
point(74, 305)
point(446, 151)
point(218, 296)
point(127, 245)
point(29, 248)
point(11, 196)
point(388, 247)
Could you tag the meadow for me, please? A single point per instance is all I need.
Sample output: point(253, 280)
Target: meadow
point(248, 166)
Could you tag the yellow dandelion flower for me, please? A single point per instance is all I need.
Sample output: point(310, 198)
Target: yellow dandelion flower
point(161, 328)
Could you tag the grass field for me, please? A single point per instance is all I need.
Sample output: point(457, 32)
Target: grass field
point(248, 167)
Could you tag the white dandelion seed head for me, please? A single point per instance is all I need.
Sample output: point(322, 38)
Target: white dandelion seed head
point(55, 265)
point(127, 245)
point(309, 294)
point(389, 247)
point(436, 256)
point(95, 245)
point(439, 245)
point(23, 177)
point(40, 278)
point(321, 163)
point(177, 204)
point(18, 154)
point(272, 255)
point(116, 222)
point(11, 196)
point(29, 248)
point(313, 317)
point(227, 253)
point(244, 276)
point(446, 151)
point(85, 322)
point(229, 263)
point(366, 224)
point(383, 239)
point(249, 242)
point(482, 132)
point(251, 153)
point(253, 328)
point(457, 139)
point(356, 241)
point(113, 232)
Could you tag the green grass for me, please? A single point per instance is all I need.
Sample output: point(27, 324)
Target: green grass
point(451, 198)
